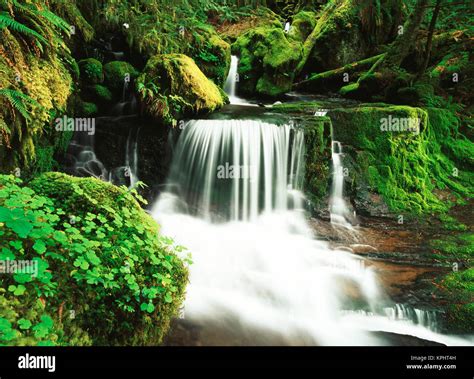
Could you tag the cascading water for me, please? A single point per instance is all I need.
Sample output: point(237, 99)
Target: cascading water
point(131, 158)
point(259, 275)
point(85, 161)
point(230, 86)
point(339, 211)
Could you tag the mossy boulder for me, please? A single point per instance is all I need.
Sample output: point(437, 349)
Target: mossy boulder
point(172, 86)
point(91, 71)
point(98, 94)
point(302, 25)
point(86, 109)
point(213, 57)
point(267, 61)
point(102, 266)
point(406, 155)
point(117, 73)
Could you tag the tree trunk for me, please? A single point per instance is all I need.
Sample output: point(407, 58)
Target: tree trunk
point(429, 39)
point(402, 45)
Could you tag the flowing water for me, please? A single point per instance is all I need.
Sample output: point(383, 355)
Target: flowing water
point(234, 199)
point(339, 211)
point(230, 86)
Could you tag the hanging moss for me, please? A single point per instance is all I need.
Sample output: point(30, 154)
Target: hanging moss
point(405, 167)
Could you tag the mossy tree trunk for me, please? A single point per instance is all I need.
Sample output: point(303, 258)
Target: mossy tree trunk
point(401, 47)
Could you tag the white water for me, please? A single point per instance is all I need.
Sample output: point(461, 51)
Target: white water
point(339, 211)
point(131, 158)
point(259, 274)
point(86, 162)
point(230, 86)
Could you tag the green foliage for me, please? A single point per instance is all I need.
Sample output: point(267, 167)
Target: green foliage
point(406, 167)
point(172, 86)
point(20, 102)
point(459, 287)
point(101, 265)
point(34, 83)
point(91, 71)
point(455, 247)
point(267, 60)
point(117, 72)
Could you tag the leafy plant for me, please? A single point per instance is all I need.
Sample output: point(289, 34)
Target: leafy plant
point(98, 256)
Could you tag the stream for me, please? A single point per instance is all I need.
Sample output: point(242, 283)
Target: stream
point(264, 272)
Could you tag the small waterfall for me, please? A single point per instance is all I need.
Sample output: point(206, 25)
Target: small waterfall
point(339, 211)
point(131, 158)
point(230, 86)
point(85, 161)
point(127, 104)
point(259, 275)
point(234, 170)
point(417, 316)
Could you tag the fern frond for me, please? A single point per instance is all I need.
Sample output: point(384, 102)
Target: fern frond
point(19, 101)
point(6, 21)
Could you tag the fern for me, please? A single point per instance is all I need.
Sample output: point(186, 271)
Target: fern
point(6, 21)
point(19, 101)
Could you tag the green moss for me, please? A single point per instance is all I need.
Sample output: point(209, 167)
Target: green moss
point(455, 247)
point(346, 90)
point(459, 288)
point(405, 167)
point(213, 56)
point(451, 63)
point(267, 61)
point(302, 25)
point(172, 86)
point(102, 265)
point(317, 134)
point(98, 94)
point(450, 223)
point(91, 71)
point(117, 72)
point(86, 109)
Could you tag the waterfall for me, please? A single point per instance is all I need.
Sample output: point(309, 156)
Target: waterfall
point(339, 210)
point(259, 274)
point(236, 169)
point(233, 198)
point(131, 158)
point(230, 86)
point(85, 161)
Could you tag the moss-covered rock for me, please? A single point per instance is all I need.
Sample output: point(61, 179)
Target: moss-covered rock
point(459, 288)
point(267, 61)
point(213, 57)
point(98, 94)
point(102, 266)
point(347, 32)
point(86, 109)
point(302, 25)
point(172, 86)
point(91, 71)
point(117, 73)
point(404, 156)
